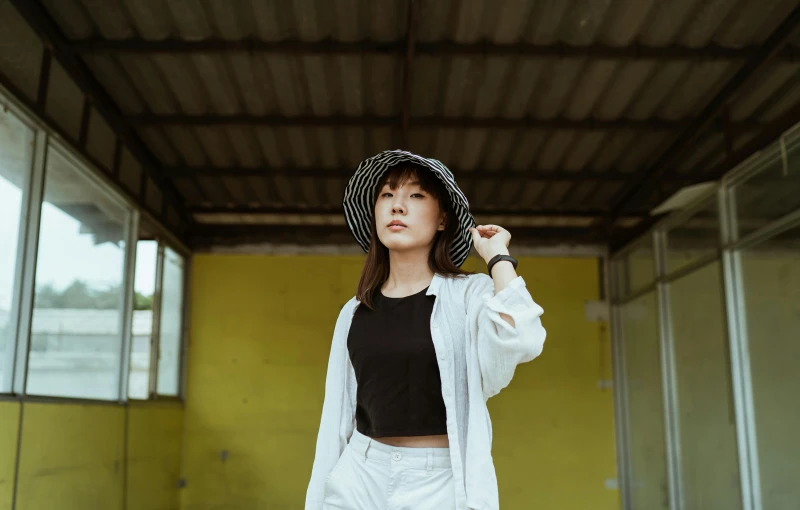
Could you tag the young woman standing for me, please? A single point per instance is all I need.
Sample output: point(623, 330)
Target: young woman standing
point(420, 348)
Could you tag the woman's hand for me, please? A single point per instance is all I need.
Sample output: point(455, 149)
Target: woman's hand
point(490, 240)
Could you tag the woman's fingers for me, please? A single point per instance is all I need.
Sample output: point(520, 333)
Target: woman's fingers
point(492, 228)
point(486, 233)
point(488, 230)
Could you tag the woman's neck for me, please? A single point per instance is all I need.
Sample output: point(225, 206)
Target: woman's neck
point(408, 274)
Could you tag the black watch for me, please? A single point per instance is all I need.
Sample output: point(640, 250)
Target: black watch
point(497, 258)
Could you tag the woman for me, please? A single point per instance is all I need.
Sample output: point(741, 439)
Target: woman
point(420, 348)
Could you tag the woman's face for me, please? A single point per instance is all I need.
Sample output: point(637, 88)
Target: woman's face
point(418, 212)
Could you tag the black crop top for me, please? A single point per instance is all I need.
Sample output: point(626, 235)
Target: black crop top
point(399, 390)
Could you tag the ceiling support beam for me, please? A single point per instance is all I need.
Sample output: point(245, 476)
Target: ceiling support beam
point(475, 174)
point(273, 121)
point(294, 210)
point(442, 48)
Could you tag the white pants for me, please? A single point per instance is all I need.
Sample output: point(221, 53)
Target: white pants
point(371, 475)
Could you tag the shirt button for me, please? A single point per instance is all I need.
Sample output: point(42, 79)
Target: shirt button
point(442, 355)
point(397, 456)
point(447, 391)
point(435, 325)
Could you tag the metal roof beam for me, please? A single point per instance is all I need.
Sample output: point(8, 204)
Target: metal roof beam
point(475, 174)
point(293, 210)
point(144, 120)
point(442, 48)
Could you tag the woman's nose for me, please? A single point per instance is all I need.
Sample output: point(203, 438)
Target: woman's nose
point(398, 208)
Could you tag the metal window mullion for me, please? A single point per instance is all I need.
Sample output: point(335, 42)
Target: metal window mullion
point(692, 267)
point(668, 378)
point(128, 302)
point(621, 414)
point(636, 294)
point(621, 424)
point(9, 354)
point(32, 213)
point(184, 354)
point(155, 334)
point(740, 358)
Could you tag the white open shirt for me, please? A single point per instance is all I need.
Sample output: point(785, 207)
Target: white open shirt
point(477, 352)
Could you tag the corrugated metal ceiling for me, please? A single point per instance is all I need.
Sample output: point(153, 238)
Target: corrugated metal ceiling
point(476, 103)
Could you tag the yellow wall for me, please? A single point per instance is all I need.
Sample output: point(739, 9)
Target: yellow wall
point(9, 430)
point(553, 426)
point(260, 339)
point(155, 435)
point(73, 456)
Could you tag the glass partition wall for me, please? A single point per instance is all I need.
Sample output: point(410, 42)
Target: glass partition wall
point(706, 309)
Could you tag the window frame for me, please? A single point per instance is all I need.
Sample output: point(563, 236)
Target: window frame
point(155, 331)
point(20, 321)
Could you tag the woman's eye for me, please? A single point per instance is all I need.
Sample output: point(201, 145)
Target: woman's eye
point(387, 194)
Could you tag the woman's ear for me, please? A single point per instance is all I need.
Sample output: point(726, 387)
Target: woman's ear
point(442, 222)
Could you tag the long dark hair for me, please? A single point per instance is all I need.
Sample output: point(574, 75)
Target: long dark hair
point(376, 267)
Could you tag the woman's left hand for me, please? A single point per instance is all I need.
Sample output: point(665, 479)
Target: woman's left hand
point(490, 240)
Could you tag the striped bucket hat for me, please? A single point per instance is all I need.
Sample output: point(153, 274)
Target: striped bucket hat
point(359, 207)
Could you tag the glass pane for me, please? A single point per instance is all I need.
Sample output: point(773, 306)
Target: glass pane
point(706, 418)
point(636, 269)
point(771, 282)
point(16, 155)
point(144, 288)
point(649, 487)
point(171, 325)
point(694, 239)
point(772, 192)
point(76, 337)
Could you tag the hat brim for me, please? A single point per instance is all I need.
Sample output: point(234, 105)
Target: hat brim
point(358, 196)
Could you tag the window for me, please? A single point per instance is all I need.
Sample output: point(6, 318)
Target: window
point(770, 192)
point(636, 270)
point(706, 416)
point(16, 158)
point(170, 324)
point(65, 267)
point(695, 239)
point(141, 337)
point(76, 332)
point(648, 459)
point(771, 284)
point(156, 348)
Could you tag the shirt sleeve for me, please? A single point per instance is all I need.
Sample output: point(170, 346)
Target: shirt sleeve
point(338, 414)
point(500, 346)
